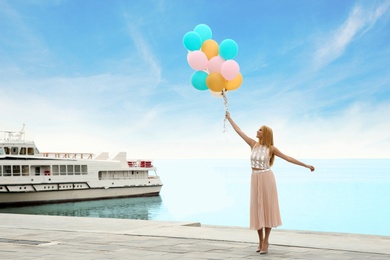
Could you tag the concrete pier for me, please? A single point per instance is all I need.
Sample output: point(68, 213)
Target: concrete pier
point(57, 237)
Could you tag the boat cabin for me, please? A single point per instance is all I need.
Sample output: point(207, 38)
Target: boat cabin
point(18, 149)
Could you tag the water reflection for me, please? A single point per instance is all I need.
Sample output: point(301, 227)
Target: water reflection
point(145, 208)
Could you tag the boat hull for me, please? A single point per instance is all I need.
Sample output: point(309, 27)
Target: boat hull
point(59, 196)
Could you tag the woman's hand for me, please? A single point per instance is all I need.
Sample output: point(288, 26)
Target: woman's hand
point(227, 115)
point(311, 168)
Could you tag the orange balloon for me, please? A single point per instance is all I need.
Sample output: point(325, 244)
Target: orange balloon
point(234, 83)
point(215, 82)
point(210, 48)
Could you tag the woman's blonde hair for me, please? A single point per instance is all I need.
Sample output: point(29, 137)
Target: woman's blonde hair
point(268, 140)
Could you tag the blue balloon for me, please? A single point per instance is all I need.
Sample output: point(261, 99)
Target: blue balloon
point(228, 49)
point(204, 31)
point(192, 41)
point(198, 80)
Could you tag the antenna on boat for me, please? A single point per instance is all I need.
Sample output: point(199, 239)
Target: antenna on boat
point(14, 136)
point(21, 133)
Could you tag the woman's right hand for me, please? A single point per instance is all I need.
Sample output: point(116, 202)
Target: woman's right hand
point(227, 115)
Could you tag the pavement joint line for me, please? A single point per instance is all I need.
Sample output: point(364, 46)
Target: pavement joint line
point(190, 238)
point(22, 241)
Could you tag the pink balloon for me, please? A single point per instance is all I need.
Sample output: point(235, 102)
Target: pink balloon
point(230, 69)
point(215, 64)
point(197, 60)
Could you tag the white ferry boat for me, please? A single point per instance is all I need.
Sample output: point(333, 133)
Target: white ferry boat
point(30, 177)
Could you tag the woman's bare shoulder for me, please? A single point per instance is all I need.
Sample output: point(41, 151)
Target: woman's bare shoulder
point(253, 144)
point(272, 149)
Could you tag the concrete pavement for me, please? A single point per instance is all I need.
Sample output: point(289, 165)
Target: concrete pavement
point(58, 237)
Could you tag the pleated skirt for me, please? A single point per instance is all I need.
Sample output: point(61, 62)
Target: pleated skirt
point(264, 203)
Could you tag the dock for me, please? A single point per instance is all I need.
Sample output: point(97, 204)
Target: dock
point(61, 237)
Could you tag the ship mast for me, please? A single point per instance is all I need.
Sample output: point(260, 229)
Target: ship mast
point(21, 133)
point(14, 136)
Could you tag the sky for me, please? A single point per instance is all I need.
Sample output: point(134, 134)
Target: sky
point(96, 76)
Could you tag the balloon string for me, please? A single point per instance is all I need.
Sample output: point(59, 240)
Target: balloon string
point(226, 103)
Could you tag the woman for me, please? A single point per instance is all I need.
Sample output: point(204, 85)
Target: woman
point(264, 205)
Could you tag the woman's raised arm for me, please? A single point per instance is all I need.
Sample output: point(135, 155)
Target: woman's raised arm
point(247, 139)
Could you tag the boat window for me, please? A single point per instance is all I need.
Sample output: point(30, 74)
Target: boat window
point(1, 172)
point(1, 151)
point(14, 150)
point(121, 175)
point(70, 169)
point(30, 151)
point(63, 169)
point(77, 169)
point(22, 151)
point(16, 170)
point(7, 170)
point(84, 169)
point(25, 171)
point(55, 170)
point(6, 149)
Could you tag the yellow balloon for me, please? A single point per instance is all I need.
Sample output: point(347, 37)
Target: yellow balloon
point(210, 48)
point(234, 83)
point(215, 82)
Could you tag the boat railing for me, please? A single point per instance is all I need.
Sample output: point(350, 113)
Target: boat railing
point(69, 155)
point(140, 163)
point(13, 135)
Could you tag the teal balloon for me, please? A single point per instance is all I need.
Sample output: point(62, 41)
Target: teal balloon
point(228, 49)
point(192, 41)
point(204, 31)
point(198, 80)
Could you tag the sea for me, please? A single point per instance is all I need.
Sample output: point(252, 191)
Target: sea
point(341, 195)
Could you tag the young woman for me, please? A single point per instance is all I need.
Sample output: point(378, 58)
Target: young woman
point(264, 205)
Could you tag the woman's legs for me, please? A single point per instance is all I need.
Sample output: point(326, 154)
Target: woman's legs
point(261, 239)
point(265, 244)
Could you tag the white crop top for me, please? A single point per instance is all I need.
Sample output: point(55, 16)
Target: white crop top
point(260, 157)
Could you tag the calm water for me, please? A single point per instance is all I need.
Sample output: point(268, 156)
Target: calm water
point(349, 196)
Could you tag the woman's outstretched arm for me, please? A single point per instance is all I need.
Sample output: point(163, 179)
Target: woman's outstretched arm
point(247, 139)
point(290, 159)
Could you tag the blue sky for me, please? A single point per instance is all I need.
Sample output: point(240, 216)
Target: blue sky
point(93, 76)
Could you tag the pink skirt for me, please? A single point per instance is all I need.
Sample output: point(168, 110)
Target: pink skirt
point(264, 204)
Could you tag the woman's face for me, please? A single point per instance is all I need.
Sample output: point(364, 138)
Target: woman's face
point(259, 133)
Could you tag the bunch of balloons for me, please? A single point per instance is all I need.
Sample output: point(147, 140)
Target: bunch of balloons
point(215, 69)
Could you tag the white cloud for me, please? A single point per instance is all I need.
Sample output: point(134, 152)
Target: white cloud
point(22, 42)
point(359, 21)
point(360, 131)
point(145, 52)
point(149, 60)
